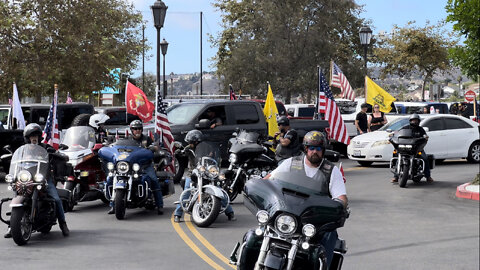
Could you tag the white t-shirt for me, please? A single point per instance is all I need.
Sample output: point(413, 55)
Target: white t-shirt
point(336, 187)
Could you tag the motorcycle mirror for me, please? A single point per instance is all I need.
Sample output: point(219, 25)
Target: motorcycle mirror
point(7, 148)
point(389, 130)
point(63, 147)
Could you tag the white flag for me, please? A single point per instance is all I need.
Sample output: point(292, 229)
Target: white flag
point(17, 109)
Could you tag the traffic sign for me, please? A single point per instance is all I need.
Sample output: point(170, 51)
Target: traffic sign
point(469, 96)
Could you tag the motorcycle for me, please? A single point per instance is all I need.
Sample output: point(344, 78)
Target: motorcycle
point(204, 201)
point(407, 162)
point(32, 209)
point(293, 217)
point(250, 155)
point(86, 181)
point(126, 161)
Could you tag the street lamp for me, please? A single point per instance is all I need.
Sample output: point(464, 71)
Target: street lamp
point(159, 9)
point(365, 36)
point(164, 46)
point(171, 84)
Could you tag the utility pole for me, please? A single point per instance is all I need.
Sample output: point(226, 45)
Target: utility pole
point(201, 67)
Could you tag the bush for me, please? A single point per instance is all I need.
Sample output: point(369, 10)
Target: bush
point(476, 181)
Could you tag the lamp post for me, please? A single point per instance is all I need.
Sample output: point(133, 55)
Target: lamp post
point(171, 84)
point(365, 36)
point(159, 9)
point(164, 46)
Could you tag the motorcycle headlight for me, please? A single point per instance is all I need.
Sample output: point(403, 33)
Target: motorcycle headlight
point(9, 178)
point(212, 171)
point(379, 143)
point(262, 217)
point(309, 230)
point(201, 169)
point(122, 167)
point(136, 167)
point(24, 176)
point(232, 158)
point(285, 224)
point(38, 178)
point(110, 166)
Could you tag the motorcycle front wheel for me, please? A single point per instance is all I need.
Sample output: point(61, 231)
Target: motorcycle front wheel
point(120, 203)
point(404, 175)
point(205, 212)
point(20, 225)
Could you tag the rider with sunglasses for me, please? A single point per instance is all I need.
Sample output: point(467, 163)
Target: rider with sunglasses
point(316, 167)
point(286, 140)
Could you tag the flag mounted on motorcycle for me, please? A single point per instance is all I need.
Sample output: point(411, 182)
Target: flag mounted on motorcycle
point(51, 134)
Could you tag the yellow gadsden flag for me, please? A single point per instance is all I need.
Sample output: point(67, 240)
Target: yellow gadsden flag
point(270, 111)
point(376, 95)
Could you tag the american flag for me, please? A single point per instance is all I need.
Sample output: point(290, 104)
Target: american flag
point(339, 80)
point(340, 167)
point(69, 98)
point(327, 106)
point(51, 133)
point(232, 94)
point(162, 128)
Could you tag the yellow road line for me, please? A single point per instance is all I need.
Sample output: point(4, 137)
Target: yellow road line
point(354, 169)
point(194, 247)
point(206, 243)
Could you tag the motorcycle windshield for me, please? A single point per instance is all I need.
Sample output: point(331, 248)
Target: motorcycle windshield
point(210, 150)
point(247, 137)
point(29, 157)
point(79, 138)
point(127, 150)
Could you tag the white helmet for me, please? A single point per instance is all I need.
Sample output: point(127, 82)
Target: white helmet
point(98, 119)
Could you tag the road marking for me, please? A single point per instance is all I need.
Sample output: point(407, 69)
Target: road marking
point(194, 247)
point(206, 243)
point(354, 169)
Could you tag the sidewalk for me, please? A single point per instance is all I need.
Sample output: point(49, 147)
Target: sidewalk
point(468, 191)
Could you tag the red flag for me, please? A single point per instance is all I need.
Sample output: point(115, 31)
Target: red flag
point(137, 103)
point(343, 173)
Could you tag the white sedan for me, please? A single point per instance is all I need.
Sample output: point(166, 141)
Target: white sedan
point(450, 137)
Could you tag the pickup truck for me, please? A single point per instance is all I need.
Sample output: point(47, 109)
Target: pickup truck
point(235, 114)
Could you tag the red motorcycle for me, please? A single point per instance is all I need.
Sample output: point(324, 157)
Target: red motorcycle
point(87, 180)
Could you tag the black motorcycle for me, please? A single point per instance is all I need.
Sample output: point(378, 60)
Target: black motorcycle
point(293, 217)
point(406, 162)
point(32, 208)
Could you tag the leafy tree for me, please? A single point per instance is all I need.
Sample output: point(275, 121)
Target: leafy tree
point(74, 43)
point(283, 42)
point(412, 48)
point(465, 16)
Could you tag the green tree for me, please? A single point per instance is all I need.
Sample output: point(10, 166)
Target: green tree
point(466, 18)
point(283, 42)
point(414, 49)
point(73, 43)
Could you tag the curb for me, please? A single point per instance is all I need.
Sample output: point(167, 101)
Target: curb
point(462, 192)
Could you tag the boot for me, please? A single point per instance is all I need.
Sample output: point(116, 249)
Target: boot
point(8, 234)
point(111, 211)
point(64, 228)
point(231, 216)
point(176, 219)
point(429, 179)
point(160, 210)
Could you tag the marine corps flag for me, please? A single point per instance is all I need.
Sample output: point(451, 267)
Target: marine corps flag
point(270, 111)
point(137, 103)
point(376, 95)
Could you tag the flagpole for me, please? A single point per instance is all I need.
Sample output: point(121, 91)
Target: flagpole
point(331, 71)
point(316, 114)
point(126, 105)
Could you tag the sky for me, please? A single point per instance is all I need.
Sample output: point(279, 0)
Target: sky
point(182, 28)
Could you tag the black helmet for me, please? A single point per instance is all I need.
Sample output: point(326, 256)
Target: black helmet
point(314, 138)
point(283, 121)
point(136, 124)
point(194, 136)
point(414, 117)
point(32, 129)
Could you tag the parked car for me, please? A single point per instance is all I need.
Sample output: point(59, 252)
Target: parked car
point(450, 137)
point(280, 107)
point(300, 111)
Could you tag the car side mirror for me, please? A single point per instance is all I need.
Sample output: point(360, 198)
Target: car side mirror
point(203, 124)
point(389, 130)
point(426, 129)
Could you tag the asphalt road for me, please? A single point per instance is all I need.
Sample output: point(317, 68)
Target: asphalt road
point(423, 226)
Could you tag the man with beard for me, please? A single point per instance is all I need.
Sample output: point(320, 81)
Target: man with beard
point(312, 163)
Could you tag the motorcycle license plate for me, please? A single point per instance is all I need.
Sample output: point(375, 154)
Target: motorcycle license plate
point(357, 153)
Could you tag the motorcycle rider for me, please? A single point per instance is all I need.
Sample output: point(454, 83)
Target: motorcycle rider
point(193, 138)
point(136, 127)
point(417, 132)
point(32, 134)
point(288, 144)
point(97, 122)
point(312, 163)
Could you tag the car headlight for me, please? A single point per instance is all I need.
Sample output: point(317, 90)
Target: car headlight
point(136, 167)
point(232, 158)
point(212, 171)
point(24, 176)
point(110, 166)
point(262, 217)
point(38, 178)
point(286, 224)
point(9, 178)
point(122, 167)
point(379, 143)
point(309, 230)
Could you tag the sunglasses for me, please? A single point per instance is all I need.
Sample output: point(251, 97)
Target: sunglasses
point(376, 107)
point(318, 148)
point(136, 129)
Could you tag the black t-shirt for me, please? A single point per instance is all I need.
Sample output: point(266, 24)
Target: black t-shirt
point(417, 131)
point(362, 121)
point(144, 140)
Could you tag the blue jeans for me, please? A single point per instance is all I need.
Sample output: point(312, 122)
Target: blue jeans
point(179, 209)
point(52, 192)
point(328, 242)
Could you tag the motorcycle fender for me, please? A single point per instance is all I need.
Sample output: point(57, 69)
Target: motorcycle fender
point(274, 262)
point(214, 190)
point(17, 201)
point(120, 184)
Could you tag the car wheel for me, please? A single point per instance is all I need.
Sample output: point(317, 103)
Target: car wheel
point(365, 163)
point(474, 152)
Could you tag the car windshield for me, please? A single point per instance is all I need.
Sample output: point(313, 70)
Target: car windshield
point(79, 138)
point(346, 107)
point(182, 114)
point(396, 124)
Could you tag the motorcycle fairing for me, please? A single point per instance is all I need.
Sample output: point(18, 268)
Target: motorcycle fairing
point(129, 150)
